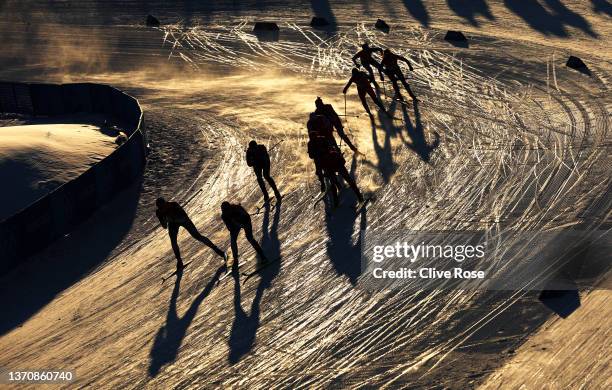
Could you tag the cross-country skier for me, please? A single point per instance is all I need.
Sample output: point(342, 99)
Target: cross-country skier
point(367, 61)
point(363, 82)
point(172, 216)
point(394, 72)
point(319, 126)
point(328, 111)
point(236, 218)
point(257, 157)
point(330, 161)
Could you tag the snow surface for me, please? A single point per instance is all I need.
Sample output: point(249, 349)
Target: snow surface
point(523, 146)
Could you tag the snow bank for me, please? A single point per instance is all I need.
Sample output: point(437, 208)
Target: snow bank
point(36, 159)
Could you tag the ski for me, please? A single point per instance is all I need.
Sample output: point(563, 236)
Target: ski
point(175, 272)
point(248, 275)
point(319, 197)
point(361, 205)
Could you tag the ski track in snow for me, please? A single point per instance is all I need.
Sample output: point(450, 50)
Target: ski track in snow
point(524, 155)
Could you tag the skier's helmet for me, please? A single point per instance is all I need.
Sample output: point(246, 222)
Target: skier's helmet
point(319, 102)
point(252, 144)
point(355, 71)
point(225, 206)
point(159, 202)
point(365, 46)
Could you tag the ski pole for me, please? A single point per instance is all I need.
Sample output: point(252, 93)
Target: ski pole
point(193, 196)
point(276, 144)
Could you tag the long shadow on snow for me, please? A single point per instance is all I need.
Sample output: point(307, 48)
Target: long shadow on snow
point(170, 336)
point(469, 9)
point(417, 9)
point(417, 134)
point(245, 326)
point(343, 253)
point(549, 22)
point(32, 285)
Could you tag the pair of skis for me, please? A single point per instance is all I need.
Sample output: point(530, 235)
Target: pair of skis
point(249, 275)
point(358, 207)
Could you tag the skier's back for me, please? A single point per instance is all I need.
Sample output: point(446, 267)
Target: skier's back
point(364, 86)
point(392, 69)
point(327, 110)
point(237, 218)
point(172, 216)
point(258, 158)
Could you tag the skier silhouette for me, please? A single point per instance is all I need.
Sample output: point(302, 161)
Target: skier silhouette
point(257, 157)
point(393, 70)
point(367, 61)
point(172, 216)
point(319, 126)
point(329, 162)
point(236, 218)
point(328, 111)
point(363, 82)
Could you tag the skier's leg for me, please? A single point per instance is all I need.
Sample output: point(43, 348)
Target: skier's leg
point(344, 173)
point(396, 88)
point(190, 227)
point(380, 70)
point(173, 233)
point(258, 173)
point(266, 175)
point(335, 187)
point(248, 232)
point(375, 98)
point(405, 83)
point(361, 94)
point(319, 174)
point(234, 245)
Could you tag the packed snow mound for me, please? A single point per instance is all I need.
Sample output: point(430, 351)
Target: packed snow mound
point(36, 159)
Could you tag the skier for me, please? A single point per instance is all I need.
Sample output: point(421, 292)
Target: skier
point(172, 216)
point(363, 81)
point(367, 61)
point(394, 72)
point(257, 157)
point(329, 160)
point(319, 126)
point(328, 111)
point(235, 218)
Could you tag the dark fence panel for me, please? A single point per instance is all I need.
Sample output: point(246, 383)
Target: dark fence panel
point(7, 98)
point(23, 99)
point(77, 98)
point(60, 211)
point(47, 99)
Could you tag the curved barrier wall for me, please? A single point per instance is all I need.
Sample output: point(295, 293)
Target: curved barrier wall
point(60, 211)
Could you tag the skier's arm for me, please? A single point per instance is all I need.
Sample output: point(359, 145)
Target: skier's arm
point(162, 219)
point(355, 58)
point(249, 158)
point(406, 61)
point(346, 139)
point(348, 85)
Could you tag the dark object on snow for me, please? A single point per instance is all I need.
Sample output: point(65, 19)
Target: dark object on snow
point(562, 302)
point(578, 64)
point(318, 21)
point(121, 138)
point(382, 26)
point(266, 31)
point(152, 21)
point(456, 38)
